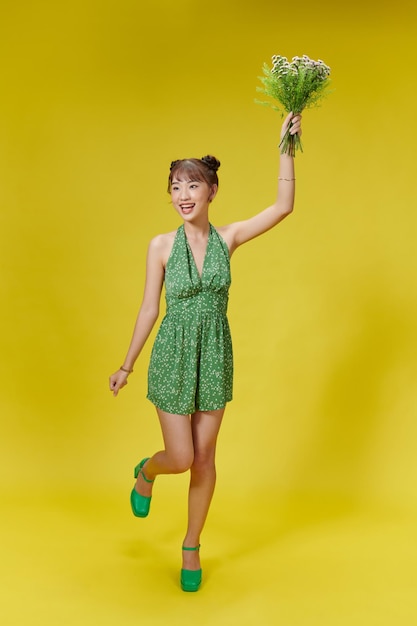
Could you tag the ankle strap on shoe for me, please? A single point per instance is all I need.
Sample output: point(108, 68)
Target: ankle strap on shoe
point(144, 477)
point(191, 549)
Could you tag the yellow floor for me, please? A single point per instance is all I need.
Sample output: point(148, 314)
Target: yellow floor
point(82, 559)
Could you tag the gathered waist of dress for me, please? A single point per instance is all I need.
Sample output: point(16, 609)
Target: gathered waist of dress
point(202, 302)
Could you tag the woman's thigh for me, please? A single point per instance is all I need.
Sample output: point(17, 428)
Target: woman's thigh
point(205, 426)
point(178, 438)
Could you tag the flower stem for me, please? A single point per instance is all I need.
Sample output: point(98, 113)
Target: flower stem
point(289, 144)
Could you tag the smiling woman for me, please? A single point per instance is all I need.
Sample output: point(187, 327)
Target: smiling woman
point(193, 183)
point(317, 466)
point(190, 377)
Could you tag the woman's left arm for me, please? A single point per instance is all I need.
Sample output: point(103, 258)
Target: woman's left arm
point(239, 232)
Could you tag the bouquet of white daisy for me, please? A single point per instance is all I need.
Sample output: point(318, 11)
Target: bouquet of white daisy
point(296, 85)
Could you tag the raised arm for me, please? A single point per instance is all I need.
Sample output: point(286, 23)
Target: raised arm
point(239, 232)
point(148, 312)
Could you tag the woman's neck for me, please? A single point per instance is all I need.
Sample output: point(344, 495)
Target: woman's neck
point(197, 230)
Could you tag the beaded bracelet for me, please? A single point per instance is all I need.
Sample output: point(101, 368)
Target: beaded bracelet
point(125, 370)
point(287, 179)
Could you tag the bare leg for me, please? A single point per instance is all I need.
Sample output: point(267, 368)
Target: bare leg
point(205, 428)
point(178, 454)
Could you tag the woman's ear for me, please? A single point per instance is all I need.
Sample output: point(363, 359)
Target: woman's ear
point(212, 194)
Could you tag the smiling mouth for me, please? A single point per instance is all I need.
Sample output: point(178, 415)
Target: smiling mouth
point(186, 208)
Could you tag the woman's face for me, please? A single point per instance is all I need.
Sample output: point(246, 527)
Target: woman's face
point(191, 198)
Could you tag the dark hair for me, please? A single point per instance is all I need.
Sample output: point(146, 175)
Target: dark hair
point(204, 170)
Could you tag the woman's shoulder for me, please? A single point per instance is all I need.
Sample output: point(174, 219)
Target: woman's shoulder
point(162, 245)
point(163, 240)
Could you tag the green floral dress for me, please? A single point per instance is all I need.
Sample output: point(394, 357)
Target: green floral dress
point(191, 366)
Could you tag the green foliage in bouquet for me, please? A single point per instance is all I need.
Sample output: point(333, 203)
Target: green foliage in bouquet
point(296, 85)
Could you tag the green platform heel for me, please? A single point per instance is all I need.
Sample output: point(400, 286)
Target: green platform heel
point(191, 579)
point(140, 504)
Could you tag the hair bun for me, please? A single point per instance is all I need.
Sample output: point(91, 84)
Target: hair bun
point(173, 164)
point(211, 162)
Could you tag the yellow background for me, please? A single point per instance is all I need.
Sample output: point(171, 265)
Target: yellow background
point(314, 515)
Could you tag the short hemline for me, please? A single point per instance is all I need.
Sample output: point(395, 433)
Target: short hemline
point(157, 406)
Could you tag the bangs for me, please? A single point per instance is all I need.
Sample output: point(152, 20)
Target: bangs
point(188, 172)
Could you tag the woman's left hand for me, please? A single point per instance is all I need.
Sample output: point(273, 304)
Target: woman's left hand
point(293, 120)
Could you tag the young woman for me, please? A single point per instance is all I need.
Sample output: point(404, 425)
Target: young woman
point(191, 368)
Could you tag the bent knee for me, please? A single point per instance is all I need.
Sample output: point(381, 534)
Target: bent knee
point(181, 463)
